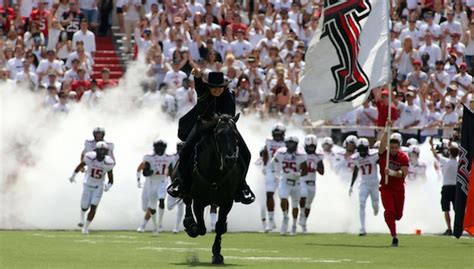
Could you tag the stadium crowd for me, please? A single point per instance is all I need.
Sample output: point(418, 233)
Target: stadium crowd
point(49, 47)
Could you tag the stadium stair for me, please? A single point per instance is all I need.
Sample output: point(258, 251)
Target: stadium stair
point(106, 56)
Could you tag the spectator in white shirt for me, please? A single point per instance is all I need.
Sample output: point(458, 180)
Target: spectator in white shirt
point(220, 45)
point(186, 98)
point(433, 50)
point(367, 116)
point(240, 47)
point(174, 78)
point(450, 26)
point(430, 26)
point(412, 32)
point(143, 43)
point(91, 97)
point(410, 117)
point(449, 119)
point(52, 97)
point(431, 121)
point(50, 64)
point(463, 79)
point(207, 29)
point(62, 105)
point(131, 10)
point(417, 77)
point(86, 36)
point(404, 58)
point(26, 77)
point(440, 78)
point(15, 64)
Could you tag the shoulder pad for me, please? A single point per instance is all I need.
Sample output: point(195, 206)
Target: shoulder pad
point(108, 160)
point(355, 156)
point(91, 155)
point(281, 150)
point(110, 145)
point(373, 152)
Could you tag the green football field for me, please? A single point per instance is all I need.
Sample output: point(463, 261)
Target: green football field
point(103, 249)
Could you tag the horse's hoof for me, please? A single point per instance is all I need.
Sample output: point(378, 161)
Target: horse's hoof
point(217, 259)
point(192, 231)
point(188, 223)
point(202, 230)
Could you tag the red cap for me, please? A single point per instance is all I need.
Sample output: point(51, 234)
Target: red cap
point(385, 92)
point(462, 65)
point(416, 62)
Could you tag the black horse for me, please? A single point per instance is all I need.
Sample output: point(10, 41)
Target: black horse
point(217, 172)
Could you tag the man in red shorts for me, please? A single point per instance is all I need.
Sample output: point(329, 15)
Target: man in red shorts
point(392, 193)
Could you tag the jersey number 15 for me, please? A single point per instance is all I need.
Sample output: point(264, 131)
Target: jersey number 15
point(97, 173)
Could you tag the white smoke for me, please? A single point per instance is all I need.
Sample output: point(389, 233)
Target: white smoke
point(39, 151)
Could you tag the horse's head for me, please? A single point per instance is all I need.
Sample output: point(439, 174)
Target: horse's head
point(226, 140)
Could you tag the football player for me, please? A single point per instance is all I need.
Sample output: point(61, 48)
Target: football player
point(314, 162)
point(98, 133)
point(289, 165)
point(156, 167)
point(417, 168)
point(343, 159)
point(98, 165)
point(328, 151)
point(271, 146)
point(365, 160)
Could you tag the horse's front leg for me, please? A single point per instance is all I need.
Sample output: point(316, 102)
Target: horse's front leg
point(199, 213)
point(189, 223)
point(221, 228)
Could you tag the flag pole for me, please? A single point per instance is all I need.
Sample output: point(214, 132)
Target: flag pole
point(389, 119)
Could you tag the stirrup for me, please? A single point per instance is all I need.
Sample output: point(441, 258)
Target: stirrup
point(175, 189)
point(245, 196)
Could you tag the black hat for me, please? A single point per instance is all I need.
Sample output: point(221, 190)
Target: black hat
point(216, 79)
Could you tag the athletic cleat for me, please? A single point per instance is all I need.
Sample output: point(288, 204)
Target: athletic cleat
point(304, 229)
point(448, 232)
point(271, 226)
point(362, 234)
point(85, 230)
point(156, 232)
point(80, 224)
point(293, 230)
point(175, 231)
point(160, 228)
point(395, 242)
point(141, 229)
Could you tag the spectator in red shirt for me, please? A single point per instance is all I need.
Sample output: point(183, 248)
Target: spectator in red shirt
point(381, 101)
point(106, 82)
point(392, 193)
point(82, 84)
point(41, 17)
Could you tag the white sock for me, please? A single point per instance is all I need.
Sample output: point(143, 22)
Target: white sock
point(213, 219)
point(145, 222)
point(161, 211)
point(294, 221)
point(270, 215)
point(88, 222)
point(285, 214)
point(179, 215)
point(153, 219)
point(263, 214)
point(83, 216)
point(302, 215)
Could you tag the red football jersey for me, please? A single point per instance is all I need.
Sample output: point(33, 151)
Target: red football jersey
point(395, 163)
point(41, 17)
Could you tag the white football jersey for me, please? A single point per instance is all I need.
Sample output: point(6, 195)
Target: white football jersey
point(288, 164)
point(367, 166)
point(272, 147)
point(96, 171)
point(312, 161)
point(89, 145)
point(341, 165)
point(159, 164)
point(417, 170)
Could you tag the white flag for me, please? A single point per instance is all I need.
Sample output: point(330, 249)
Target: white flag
point(348, 56)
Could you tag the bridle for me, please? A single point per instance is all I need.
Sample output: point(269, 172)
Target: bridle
point(216, 145)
